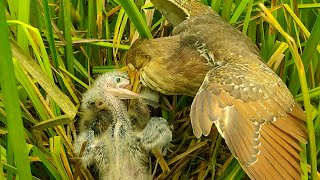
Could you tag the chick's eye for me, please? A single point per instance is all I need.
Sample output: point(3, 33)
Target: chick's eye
point(117, 80)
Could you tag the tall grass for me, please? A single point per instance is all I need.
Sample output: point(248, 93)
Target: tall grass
point(16, 142)
point(58, 47)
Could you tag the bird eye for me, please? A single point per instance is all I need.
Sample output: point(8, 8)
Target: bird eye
point(117, 80)
point(92, 103)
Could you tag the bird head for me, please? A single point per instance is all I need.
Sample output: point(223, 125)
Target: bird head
point(138, 54)
point(102, 101)
point(116, 84)
point(143, 51)
point(92, 100)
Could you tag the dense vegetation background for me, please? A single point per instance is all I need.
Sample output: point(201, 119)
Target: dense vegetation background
point(50, 51)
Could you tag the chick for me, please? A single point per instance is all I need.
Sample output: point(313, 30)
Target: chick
point(139, 111)
point(113, 144)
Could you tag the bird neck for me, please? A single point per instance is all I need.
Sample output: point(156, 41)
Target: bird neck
point(118, 109)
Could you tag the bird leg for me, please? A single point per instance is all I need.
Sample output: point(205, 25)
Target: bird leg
point(156, 137)
point(88, 146)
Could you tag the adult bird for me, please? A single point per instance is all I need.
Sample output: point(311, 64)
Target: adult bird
point(117, 146)
point(250, 105)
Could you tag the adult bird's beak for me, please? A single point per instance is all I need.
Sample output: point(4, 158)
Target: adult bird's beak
point(121, 93)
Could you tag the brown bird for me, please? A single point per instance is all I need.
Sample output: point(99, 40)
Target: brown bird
point(250, 105)
point(116, 145)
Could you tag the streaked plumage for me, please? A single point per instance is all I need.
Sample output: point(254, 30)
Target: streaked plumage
point(249, 104)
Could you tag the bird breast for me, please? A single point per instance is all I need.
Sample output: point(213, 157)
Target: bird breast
point(126, 159)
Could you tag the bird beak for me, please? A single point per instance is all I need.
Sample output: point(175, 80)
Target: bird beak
point(128, 87)
point(122, 93)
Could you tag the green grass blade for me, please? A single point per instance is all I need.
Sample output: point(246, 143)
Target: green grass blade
point(247, 20)
point(317, 123)
point(238, 11)
point(213, 160)
point(49, 33)
point(1, 166)
point(75, 78)
point(226, 10)
point(33, 68)
point(47, 163)
point(307, 54)
point(136, 18)
point(34, 97)
point(60, 120)
point(11, 101)
point(13, 8)
point(23, 16)
point(98, 43)
point(313, 93)
point(55, 149)
point(37, 45)
point(69, 88)
point(67, 35)
point(304, 87)
point(215, 5)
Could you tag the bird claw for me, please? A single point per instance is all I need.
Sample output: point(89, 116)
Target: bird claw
point(84, 147)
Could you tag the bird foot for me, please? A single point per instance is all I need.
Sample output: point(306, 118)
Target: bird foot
point(156, 134)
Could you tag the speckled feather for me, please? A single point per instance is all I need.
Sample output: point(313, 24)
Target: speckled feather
point(249, 104)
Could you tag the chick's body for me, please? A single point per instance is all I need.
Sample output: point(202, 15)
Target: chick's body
point(113, 144)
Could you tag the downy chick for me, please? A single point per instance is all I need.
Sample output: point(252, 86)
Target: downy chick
point(118, 150)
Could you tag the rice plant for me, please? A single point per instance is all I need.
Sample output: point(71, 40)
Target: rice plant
point(51, 51)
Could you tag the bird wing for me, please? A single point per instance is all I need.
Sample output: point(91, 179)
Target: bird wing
point(174, 11)
point(255, 113)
